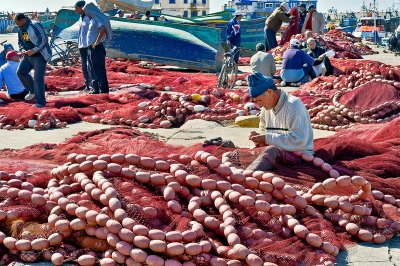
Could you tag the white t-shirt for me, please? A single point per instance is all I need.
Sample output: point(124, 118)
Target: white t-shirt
point(83, 31)
point(94, 30)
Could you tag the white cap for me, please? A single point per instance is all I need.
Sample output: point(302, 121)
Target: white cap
point(294, 42)
point(238, 13)
point(285, 5)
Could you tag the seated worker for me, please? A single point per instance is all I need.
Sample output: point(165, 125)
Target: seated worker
point(8, 75)
point(263, 62)
point(7, 48)
point(120, 13)
point(284, 127)
point(307, 35)
point(146, 16)
point(322, 64)
point(296, 66)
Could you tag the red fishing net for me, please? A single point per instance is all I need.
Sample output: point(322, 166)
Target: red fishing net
point(293, 27)
point(344, 44)
point(369, 151)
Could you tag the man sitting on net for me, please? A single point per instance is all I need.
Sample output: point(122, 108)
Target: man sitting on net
point(297, 65)
point(263, 62)
point(322, 64)
point(284, 127)
point(8, 76)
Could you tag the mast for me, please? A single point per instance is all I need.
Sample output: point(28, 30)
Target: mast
point(374, 15)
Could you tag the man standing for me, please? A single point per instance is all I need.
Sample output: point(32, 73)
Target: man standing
point(84, 22)
point(284, 127)
point(233, 37)
point(8, 75)
point(314, 21)
point(273, 24)
point(263, 62)
point(303, 15)
point(99, 31)
point(34, 44)
point(7, 48)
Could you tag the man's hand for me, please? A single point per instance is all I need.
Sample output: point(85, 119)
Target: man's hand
point(28, 53)
point(259, 140)
point(94, 45)
point(321, 57)
point(252, 134)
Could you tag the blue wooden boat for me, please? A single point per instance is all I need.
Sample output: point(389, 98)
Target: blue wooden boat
point(183, 45)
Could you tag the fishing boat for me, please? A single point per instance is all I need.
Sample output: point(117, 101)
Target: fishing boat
point(182, 45)
point(127, 5)
point(348, 22)
point(366, 27)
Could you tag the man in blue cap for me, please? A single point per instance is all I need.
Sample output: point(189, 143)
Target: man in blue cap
point(83, 45)
point(285, 124)
point(7, 48)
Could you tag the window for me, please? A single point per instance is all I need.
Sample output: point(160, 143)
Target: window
point(172, 1)
point(185, 14)
point(204, 2)
point(185, 1)
point(194, 1)
point(195, 13)
point(156, 1)
point(204, 13)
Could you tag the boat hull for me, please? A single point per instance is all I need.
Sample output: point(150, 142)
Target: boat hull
point(176, 44)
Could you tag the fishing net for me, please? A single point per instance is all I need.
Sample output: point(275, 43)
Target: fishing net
point(293, 27)
point(345, 45)
point(369, 151)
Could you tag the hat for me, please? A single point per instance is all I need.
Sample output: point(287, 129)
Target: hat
point(120, 11)
point(285, 5)
point(258, 84)
point(310, 7)
point(294, 42)
point(80, 4)
point(238, 13)
point(303, 5)
point(8, 46)
point(11, 54)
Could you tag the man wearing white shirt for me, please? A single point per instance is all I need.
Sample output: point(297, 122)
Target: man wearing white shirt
point(84, 22)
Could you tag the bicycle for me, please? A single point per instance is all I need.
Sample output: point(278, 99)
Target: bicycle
point(65, 53)
point(229, 71)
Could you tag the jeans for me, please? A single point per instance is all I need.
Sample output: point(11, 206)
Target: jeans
point(84, 52)
point(97, 58)
point(270, 40)
point(35, 85)
point(236, 57)
point(271, 157)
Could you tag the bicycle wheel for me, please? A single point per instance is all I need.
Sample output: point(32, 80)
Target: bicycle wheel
point(232, 76)
point(73, 54)
point(223, 77)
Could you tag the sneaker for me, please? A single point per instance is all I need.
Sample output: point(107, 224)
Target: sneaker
point(39, 105)
point(29, 96)
point(93, 92)
point(283, 83)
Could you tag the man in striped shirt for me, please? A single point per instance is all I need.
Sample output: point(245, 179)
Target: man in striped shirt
point(285, 124)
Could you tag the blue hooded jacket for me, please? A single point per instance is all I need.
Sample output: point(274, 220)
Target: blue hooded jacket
point(233, 32)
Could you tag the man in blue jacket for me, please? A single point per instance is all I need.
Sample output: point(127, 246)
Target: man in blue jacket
point(34, 44)
point(233, 33)
point(296, 66)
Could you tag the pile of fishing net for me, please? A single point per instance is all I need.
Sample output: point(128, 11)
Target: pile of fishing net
point(345, 45)
point(129, 72)
point(138, 106)
point(365, 92)
point(116, 196)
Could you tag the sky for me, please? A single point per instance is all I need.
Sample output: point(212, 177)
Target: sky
point(54, 5)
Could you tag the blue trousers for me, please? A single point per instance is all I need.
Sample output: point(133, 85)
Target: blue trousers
point(270, 39)
point(84, 52)
point(97, 59)
point(35, 85)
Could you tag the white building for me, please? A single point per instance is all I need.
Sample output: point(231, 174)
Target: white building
point(183, 8)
